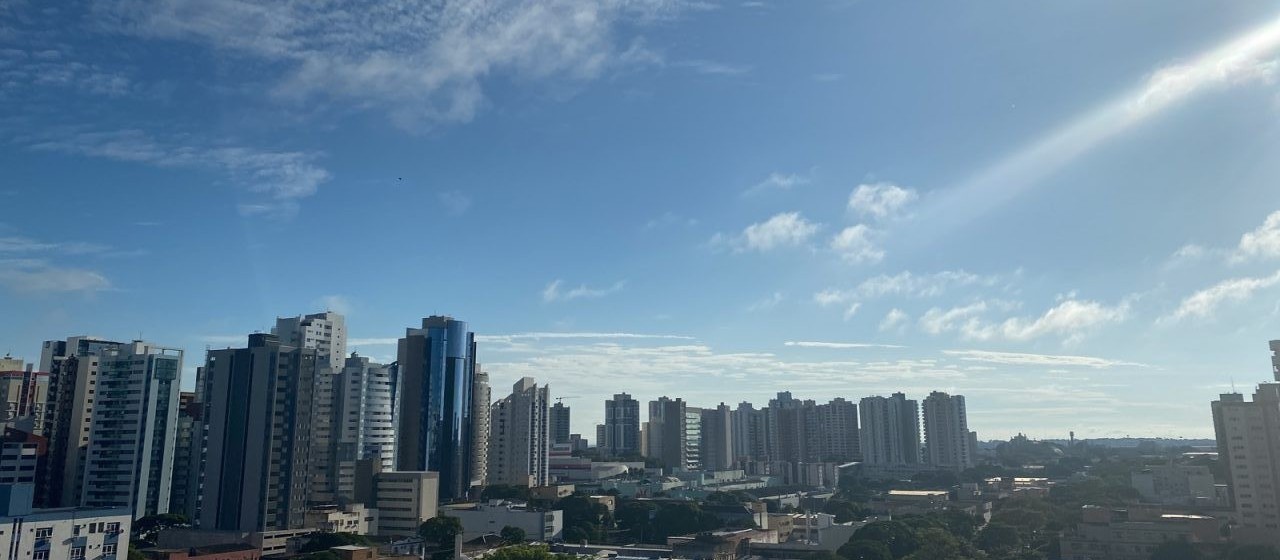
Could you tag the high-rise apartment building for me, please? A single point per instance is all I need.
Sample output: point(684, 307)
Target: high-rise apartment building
point(364, 408)
point(890, 433)
point(258, 421)
point(134, 428)
point(1248, 435)
point(748, 433)
point(73, 376)
point(838, 431)
point(717, 438)
point(23, 399)
point(692, 438)
point(437, 375)
point(481, 401)
point(519, 440)
point(559, 423)
point(324, 332)
point(946, 432)
point(186, 455)
point(621, 434)
point(666, 432)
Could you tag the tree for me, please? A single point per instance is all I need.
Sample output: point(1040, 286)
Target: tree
point(526, 552)
point(512, 535)
point(135, 554)
point(443, 531)
point(998, 537)
point(146, 528)
point(325, 541)
point(505, 492)
point(895, 535)
point(937, 544)
point(865, 550)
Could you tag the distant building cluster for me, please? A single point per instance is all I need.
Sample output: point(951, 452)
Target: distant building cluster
point(292, 433)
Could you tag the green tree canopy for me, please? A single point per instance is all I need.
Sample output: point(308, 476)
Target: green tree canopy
point(512, 535)
point(937, 544)
point(441, 530)
point(998, 537)
point(896, 535)
point(865, 550)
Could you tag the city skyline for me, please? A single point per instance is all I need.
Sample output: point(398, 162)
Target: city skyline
point(672, 198)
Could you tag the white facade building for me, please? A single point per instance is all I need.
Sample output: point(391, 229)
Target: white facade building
point(72, 533)
point(404, 500)
point(134, 429)
point(946, 432)
point(519, 438)
point(364, 406)
point(489, 519)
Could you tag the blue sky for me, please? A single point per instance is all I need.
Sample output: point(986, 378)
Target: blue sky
point(1064, 211)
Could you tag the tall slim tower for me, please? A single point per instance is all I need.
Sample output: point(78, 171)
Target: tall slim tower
point(559, 423)
point(621, 434)
point(73, 373)
point(258, 421)
point(481, 401)
point(946, 432)
point(890, 433)
point(326, 333)
point(519, 441)
point(134, 429)
point(437, 373)
point(717, 438)
point(668, 432)
point(364, 427)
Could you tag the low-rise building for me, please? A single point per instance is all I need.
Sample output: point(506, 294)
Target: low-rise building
point(1175, 485)
point(231, 551)
point(1132, 535)
point(60, 533)
point(551, 491)
point(352, 518)
point(479, 520)
point(404, 500)
point(908, 502)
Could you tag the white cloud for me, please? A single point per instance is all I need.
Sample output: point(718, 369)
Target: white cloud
point(779, 181)
point(767, 303)
point(553, 291)
point(1047, 360)
point(456, 202)
point(852, 310)
point(787, 229)
point(854, 244)
point(422, 62)
point(578, 335)
point(34, 276)
point(384, 341)
point(335, 303)
point(1071, 319)
point(839, 345)
point(906, 284)
point(894, 319)
point(712, 67)
point(1262, 242)
point(1204, 303)
point(281, 177)
point(880, 200)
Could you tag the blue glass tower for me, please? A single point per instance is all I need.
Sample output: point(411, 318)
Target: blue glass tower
point(437, 369)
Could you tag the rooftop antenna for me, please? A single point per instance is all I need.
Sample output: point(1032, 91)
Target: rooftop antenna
point(1233, 384)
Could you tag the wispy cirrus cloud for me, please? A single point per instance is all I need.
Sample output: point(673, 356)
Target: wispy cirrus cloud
point(777, 181)
point(281, 178)
point(555, 291)
point(1046, 360)
point(36, 276)
point(838, 345)
point(1262, 242)
point(1071, 319)
point(421, 62)
point(1204, 303)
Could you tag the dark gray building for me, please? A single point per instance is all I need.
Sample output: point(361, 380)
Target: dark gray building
point(257, 415)
point(559, 423)
point(437, 375)
point(620, 434)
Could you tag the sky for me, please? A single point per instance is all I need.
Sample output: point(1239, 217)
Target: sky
point(1067, 212)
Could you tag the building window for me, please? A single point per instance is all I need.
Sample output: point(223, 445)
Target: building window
point(77, 553)
point(109, 548)
point(40, 555)
point(44, 532)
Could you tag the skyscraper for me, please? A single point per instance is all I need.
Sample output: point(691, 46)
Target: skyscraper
point(481, 401)
point(325, 332)
point(364, 407)
point(186, 455)
point(890, 433)
point(838, 430)
point(946, 432)
point(748, 433)
point(621, 434)
point(559, 423)
point(717, 438)
point(73, 372)
point(258, 423)
point(1248, 435)
point(519, 441)
point(437, 373)
point(668, 422)
point(133, 429)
